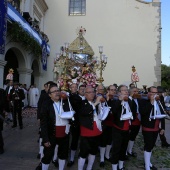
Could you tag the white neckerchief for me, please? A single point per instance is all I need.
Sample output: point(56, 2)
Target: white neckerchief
point(82, 97)
point(58, 110)
point(95, 118)
point(10, 87)
point(136, 101)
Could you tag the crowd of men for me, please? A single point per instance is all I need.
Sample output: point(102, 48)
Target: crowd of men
point(104, 120)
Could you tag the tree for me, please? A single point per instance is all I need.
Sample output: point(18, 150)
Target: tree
point(165, 76)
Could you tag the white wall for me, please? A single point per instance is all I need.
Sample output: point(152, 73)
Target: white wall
point(127, 29)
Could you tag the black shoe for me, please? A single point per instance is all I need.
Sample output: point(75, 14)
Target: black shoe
point(107, 159)
point(165, 145)
point(55, 163)
point(39, 167)
point(86, 161)
point(38, 156)
point(153, 167)
point(126, 158)
point(1, 151)
point(133, 154)
point(69, 164)
point(102, 164)
point(21, 127)
point(13, 126)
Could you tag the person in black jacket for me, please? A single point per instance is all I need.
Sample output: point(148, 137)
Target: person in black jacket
point(90, 129)
point(164, 142)
point(43, 96)
point(2, 104)
point(54, 129)
point(150, 126)
point(120, 130)
point(106, 136)
point(76, 98)
point(135, 123)
point(16, 97)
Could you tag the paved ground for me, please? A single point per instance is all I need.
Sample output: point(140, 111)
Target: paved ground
point(21, 149)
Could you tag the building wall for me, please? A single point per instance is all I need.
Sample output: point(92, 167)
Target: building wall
point(129, 30)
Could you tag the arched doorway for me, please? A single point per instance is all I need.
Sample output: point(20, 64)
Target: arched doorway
point(12, 62)
point(35, 74)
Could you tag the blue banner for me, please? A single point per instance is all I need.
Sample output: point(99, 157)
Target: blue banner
point(44, 55)
point(3, 25)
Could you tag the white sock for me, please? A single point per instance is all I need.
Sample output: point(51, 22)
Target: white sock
point(72, 155)
point(40, 142)
point(102, 152)
point(114, 166)
point(41, 152)
point(150, 160)
point(45, 166)
point(147, 157)
point(91, 159)
point(121, 164)
point(61, 164)
point(107, 153)
point(130, 146)
point(55, 153)
point(81, 162)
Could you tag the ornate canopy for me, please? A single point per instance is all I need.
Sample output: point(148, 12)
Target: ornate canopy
point(75, 46)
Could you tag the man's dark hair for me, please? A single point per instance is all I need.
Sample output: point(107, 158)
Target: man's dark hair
point(122, 85)
point(81, 86)
point(51, 86)
point(152, 87)
point(131, 84)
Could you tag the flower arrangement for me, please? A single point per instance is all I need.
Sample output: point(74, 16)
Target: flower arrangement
point(89, 79)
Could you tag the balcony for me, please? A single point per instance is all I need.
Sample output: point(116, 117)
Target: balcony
point(15, 16)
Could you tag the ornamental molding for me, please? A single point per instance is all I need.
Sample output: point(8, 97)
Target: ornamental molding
point(24, 70)
point(2, 63)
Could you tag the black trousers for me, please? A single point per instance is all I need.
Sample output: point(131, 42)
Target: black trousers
point(1, 141)
point(88, 145)
point(162, 138)
point(106, 136)
point(149, 140)
point(17, 112)
point(63, 146)
point(134, 130)
point(119, 145)
point(75, 134)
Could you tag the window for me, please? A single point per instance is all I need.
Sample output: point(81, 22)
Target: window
point(77, 7)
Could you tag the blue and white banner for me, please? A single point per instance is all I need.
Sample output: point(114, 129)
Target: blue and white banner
point(3, 25)
point(44, 55)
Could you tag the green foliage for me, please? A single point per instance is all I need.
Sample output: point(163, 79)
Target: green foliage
point(165, 76)
point(18, 34)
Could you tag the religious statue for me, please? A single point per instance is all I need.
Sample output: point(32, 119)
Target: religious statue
point(10, 74)
point(134, 76)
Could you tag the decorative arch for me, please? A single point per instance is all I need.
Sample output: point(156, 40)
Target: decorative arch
point(15, 60)
point(35, 75)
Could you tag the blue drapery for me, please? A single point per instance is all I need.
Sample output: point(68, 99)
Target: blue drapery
point(3, 25)
point(44, 55)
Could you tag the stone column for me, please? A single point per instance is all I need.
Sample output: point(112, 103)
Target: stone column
point(25, 76)
point(2, 64)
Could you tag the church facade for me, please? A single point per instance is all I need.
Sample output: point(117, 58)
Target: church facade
point(128, 30)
